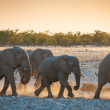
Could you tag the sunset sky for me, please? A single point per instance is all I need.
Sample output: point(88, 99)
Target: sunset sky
point(55, 15)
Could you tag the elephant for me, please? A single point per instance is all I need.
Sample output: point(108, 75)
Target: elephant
point(103, 75)
point(10, 59)
point(36, 57)
point(58, 68)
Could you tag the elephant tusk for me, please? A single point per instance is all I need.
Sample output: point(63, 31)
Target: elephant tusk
point(25, 69)
point(16, 70)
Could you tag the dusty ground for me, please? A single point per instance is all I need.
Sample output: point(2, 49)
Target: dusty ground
point(89, 57)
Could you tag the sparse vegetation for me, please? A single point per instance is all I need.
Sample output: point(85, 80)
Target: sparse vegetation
point(30, 37)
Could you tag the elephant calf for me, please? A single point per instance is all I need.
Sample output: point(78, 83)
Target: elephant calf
point(54, 69)
point(103, 75)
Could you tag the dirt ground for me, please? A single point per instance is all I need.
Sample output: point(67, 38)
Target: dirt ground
point(89, 57)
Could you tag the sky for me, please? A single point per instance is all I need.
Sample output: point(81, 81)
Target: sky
point(55, 15)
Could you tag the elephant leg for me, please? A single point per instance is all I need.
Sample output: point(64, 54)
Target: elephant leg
point(38, 91)
point(60, 95)
point(102, 80)
point(47, 83)
point(13, 86)
point(97, 93)
point(38, 82)
point(6, 84)
point(35, 74)
point(49, 91)
point(63, 80)
point(9, 73)
point(35, 71)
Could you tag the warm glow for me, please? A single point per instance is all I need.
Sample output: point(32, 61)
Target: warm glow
point(55, 15)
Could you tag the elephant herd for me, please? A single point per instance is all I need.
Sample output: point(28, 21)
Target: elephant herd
point(46, 68)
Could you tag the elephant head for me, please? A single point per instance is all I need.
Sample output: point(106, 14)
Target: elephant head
point(22, 60)
point(74, 67)
point(71, 64)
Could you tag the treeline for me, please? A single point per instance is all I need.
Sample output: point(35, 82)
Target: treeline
point(30, 37)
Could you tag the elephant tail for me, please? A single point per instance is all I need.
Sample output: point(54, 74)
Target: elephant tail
point(96, 74)
point(82, 76)
point(35, 85)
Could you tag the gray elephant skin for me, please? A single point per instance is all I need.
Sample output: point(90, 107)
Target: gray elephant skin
point(54, 69)
point(36, 57)
point(10, 59)
point(103, 75)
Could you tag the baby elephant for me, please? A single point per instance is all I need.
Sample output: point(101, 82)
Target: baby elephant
point(54, 69)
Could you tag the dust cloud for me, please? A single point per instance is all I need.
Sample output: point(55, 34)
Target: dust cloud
point(86, 91)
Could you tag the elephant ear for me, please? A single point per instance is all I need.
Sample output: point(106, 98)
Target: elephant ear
point(8, 59)
point(45, 53)
point(62, 66)
point(36, 57)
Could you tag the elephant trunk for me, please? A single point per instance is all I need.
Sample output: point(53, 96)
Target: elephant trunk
point(77, 83)
point(77, 78)
point(26, 77)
